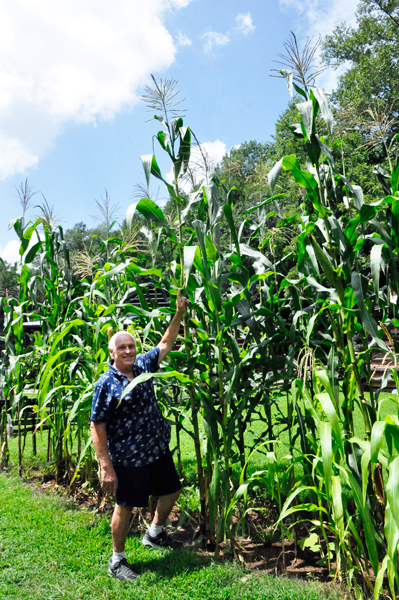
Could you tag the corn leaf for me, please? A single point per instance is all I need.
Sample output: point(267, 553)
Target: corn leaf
point(213, 501)
point(324, 104)
point(146, 376)
point(189, 256)
point(369, 529)
point(392, 488)
point(288, 76)
point(326, 451)
point(380, 577)
point(367, 320)
point(306, 111)
point(151, 212)
point(274, 174)
point(376, 441)
point(377, 265)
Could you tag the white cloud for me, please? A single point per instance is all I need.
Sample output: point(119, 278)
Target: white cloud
point(11, 252)
point(183, 39)
point(73, 61)
point(322, 17)
point(14, 156)
point(214, 38)
point(214, 152)
point(244, 23)
point(209, 152)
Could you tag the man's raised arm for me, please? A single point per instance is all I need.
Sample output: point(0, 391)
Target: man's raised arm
point(169, 338)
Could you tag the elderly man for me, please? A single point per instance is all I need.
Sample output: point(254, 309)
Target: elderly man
point(131, 440)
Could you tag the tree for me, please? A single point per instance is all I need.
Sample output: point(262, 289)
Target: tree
point(366, 100)
point(368, 90)
point(8, 280)
point(372, 51)
point(8, 285)
point(78, 237)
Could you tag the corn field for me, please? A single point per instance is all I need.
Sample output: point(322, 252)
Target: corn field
point(258, 346)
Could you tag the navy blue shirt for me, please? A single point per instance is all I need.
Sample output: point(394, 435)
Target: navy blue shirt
point(137, 432)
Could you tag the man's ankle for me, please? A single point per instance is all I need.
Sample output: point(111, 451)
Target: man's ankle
point(155, 530)
point(117, 557)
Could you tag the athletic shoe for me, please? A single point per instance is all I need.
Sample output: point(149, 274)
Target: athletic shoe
point(122, 570)
point(161, 541)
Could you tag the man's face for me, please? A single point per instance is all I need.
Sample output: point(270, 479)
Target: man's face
point(124, 353)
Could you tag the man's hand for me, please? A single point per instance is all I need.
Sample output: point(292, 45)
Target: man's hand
point(108, 480)
point(169, 338)
point(181, 304)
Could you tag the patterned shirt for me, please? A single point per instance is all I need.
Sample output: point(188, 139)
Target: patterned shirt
point(137, 432)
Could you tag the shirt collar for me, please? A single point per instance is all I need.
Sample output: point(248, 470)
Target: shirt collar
point(115, 372)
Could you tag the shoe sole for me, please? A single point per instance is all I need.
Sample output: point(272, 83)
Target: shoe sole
point(152, 545)
point(147, 542)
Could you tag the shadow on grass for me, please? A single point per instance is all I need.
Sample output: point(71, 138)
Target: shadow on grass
point(166, 564)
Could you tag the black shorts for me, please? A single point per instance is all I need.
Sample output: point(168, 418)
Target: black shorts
point(136, 484)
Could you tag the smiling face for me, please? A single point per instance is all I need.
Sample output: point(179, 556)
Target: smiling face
point(123, 353)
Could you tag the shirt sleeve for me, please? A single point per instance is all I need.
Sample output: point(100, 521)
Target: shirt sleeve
point(101, 406)
point(151, 359)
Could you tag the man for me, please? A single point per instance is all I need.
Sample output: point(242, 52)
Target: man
point(131, 440)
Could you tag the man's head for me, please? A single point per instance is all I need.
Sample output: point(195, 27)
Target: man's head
point(122, 349)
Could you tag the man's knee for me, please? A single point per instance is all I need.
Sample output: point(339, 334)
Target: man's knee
point(121, 512)
point(170, 498)
point(175, 495)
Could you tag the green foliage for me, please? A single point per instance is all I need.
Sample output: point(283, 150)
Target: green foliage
point(8, 285)
point(8, 279)
point(372, 51)
point(252, 333)
point(52, 550)
point(79, 237)
point(366, 99)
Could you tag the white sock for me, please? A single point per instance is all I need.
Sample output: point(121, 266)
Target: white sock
point(155, 530)
point(117, 557)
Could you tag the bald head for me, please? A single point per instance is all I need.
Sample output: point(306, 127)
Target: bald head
point(113, 340)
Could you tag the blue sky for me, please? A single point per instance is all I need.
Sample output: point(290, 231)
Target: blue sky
point(71, 77)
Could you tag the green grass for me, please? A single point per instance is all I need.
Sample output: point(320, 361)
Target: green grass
point(50, 551)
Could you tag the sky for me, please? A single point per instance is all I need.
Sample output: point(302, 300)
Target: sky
point(72, 74)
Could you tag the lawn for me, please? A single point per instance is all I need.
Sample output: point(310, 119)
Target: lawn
point(51, 551)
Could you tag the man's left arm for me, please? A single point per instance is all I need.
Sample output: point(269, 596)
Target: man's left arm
point(169, 338)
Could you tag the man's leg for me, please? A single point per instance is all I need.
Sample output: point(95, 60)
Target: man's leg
point(118, 565)
point(155, 536)
point(164, 506)
point(120, 526)
point(165, 484)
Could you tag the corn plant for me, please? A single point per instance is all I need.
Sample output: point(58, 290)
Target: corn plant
point(329, 252)
point(295, 355)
